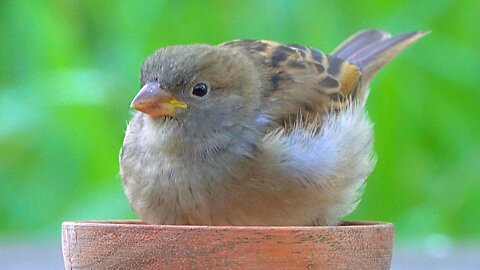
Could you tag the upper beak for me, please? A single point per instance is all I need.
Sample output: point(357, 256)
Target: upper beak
point(153, 100)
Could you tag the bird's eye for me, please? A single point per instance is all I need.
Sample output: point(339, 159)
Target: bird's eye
point(200, 90)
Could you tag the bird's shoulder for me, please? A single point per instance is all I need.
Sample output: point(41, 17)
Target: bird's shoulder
point(300, 80)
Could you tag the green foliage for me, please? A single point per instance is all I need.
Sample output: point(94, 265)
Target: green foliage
point(68, 70)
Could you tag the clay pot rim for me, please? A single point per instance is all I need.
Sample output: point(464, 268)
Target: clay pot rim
point(140, 224)
point(132, 244)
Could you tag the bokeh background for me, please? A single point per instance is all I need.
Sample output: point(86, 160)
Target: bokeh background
point(69, 69)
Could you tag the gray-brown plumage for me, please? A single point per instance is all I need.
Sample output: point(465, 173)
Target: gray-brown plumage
point(253, 132)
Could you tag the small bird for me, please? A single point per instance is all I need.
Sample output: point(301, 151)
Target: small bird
point(254, 132)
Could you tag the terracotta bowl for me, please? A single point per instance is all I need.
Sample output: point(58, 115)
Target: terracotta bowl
point(135, 245)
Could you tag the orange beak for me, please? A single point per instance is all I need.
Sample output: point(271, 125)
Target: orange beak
point(153, 100)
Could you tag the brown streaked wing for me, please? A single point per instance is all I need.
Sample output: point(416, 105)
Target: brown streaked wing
point(301, 80)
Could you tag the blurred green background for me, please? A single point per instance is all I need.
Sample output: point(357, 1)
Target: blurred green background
point(69, 69)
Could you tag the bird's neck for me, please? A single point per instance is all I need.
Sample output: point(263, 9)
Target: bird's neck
point(197, 146)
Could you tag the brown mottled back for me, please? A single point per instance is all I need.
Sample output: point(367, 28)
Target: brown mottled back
point(302, 80)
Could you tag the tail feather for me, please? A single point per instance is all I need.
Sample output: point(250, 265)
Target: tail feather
point(357, 41)
point(370, 50)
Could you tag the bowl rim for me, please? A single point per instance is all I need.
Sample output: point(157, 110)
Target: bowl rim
point(131, 224)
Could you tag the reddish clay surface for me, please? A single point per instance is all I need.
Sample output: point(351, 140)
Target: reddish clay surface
point(134, 245)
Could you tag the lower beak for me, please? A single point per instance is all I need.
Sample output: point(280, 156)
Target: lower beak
point(153, 100)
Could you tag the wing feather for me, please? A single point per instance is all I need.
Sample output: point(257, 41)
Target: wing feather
point(303, 81)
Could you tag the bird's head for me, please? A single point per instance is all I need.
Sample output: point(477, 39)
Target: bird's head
point(204, 88)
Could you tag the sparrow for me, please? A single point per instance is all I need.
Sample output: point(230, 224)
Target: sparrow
point(254, 132)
